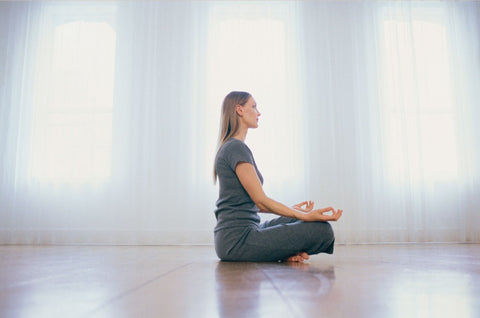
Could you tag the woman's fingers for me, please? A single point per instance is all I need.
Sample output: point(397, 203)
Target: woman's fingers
point(301, 203)
point(336, 215)
point(308, 206)
point(326, 214)
point(329, 209)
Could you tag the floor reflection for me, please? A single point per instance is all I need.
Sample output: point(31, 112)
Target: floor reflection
point(257, 289)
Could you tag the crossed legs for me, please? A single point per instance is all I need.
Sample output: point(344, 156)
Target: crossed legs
point(280, 239)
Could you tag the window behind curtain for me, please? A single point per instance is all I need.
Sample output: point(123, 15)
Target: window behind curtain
point(418, 94)
point(74, 97)
point(251, 47)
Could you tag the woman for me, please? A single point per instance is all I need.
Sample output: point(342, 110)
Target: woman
point(300, 231)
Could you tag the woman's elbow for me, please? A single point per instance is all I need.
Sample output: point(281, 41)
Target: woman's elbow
point(261, 204)
point(261, 207)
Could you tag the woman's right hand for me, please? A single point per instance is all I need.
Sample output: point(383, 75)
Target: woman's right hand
point(325, 214)
point(308, 206)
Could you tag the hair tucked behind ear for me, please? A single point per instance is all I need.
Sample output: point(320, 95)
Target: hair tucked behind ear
point(229, 120)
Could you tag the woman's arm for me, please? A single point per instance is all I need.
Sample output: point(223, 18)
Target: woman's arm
point(249, 179)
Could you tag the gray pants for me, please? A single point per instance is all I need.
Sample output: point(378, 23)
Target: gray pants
point(274, 240)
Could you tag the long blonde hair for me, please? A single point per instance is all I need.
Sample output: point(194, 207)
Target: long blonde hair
point(229, 120)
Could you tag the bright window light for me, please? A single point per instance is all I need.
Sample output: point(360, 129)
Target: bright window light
point(420, 118)
point(249, 50)
point(74, 103)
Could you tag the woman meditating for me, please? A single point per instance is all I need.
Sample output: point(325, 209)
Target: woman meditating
point(300, 230)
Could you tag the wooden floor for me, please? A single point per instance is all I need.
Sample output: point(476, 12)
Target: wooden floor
point(437, 280)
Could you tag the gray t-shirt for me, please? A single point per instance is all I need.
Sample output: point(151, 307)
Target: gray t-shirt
point(235, 208)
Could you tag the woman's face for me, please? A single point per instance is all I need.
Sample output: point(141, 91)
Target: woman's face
point(249, 113)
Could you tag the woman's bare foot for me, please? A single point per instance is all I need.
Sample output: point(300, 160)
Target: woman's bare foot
point(300, 257)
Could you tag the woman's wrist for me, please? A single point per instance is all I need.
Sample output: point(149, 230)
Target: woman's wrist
point(299, 215)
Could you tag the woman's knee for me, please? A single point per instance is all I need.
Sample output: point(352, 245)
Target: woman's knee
point(328, 230)
point(321, 236)
point(321, 229)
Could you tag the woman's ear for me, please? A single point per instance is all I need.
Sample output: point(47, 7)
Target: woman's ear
point(239, 110)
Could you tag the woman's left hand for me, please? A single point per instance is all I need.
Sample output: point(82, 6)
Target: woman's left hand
point(308, 206)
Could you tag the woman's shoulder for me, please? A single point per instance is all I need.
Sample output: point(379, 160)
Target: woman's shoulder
point(234, 145)
point(234, 151)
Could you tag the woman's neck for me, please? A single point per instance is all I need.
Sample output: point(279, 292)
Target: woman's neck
point(241, 135)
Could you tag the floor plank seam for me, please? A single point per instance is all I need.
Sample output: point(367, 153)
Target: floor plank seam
point(134, 289)
point(292, 309)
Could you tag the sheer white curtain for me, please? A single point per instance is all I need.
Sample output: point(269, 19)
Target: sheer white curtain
point(109, 115)
point(390, 92)
point(100, 137)
point(252, 47)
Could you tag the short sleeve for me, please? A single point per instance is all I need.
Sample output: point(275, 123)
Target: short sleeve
point(238, 152)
